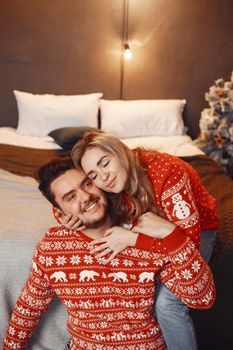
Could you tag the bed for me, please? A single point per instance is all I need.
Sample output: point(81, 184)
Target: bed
point(26, 215)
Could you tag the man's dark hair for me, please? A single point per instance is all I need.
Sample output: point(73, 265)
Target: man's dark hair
point(49, 172)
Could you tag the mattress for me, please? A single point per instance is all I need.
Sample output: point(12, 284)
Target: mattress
point(181, 145)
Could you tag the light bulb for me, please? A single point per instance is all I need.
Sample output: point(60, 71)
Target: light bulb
point(127, 52)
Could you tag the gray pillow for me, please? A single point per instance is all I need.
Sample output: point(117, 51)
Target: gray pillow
point(67, 137)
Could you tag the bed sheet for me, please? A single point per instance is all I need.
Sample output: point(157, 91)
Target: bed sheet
point(30, 216)
point(181, 145)
point(9, 136)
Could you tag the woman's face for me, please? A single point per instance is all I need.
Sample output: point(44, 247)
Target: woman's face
point(104, 169)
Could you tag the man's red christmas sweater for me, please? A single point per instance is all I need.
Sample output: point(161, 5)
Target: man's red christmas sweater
point(109, 306)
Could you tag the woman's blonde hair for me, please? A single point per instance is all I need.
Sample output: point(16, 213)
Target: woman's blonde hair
point(138, 187)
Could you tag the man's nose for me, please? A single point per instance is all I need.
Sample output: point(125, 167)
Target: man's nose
point(83, 195)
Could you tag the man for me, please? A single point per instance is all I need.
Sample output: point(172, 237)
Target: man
point(109, 305)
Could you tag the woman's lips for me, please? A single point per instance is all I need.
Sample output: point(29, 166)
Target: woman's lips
point(112, 183)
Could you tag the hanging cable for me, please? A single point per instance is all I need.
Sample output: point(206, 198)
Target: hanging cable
point(125, 50)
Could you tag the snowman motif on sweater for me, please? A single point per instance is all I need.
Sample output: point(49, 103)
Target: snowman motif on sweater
point(181, 208)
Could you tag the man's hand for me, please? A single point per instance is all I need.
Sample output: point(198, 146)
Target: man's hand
point(153, 225)
point(115, 240)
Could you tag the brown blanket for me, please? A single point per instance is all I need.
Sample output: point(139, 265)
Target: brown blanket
point(25, 161)
point(214, 326)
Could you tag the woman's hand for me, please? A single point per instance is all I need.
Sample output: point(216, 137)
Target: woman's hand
point(115, 240)
point(153, 225)
point(69, 221)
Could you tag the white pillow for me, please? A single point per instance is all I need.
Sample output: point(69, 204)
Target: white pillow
point(40, 114)
point(142, 117)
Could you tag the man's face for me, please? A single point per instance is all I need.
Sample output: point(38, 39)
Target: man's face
point(76, 194)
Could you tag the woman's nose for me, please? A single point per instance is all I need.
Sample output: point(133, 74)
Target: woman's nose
point(104, 176)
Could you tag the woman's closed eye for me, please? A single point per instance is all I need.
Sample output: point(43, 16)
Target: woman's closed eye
point(106, 163)
point(93, 176)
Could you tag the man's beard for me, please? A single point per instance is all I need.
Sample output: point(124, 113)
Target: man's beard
point(92, 223)
point(98, 222)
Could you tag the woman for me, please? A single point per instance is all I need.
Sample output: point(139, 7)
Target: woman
point(143, 183)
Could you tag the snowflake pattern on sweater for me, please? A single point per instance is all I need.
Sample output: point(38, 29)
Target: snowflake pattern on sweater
point(109, 306)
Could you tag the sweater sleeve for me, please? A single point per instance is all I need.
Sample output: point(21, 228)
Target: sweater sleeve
point(173, 193)
point(32, 302)
point(179, 204)
point(146, 242)
point(187, 276)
